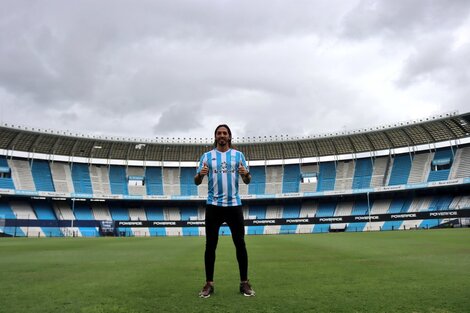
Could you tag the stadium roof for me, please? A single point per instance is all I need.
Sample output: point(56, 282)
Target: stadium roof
point(428, 131)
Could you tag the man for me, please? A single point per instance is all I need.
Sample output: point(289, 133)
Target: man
point(223, 167)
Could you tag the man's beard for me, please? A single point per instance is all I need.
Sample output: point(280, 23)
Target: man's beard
point(222, 142)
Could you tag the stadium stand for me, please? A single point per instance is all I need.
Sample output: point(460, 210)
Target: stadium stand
point(190, 214)
point(137, 213)
point(188, 188)
point(153, 181)
point(360, 207)
point(420, 167)
point(344, 175)
point(21, 174)
point(409, 175)
point(42, 176)
point(461, 165)
point(118, 180)
point(81, 178)
point(6, 181)
point(44, 211)
point(258, 181)
point(379, 206)
point(362, 173)
point(290, 211)
point(83, 212)
point(291, 178)
point(100, 180)
point(136, 181)
point(326, 176)
point(441, 164)
point(171, 181)
point(379, 173)
point(400, 170)
point(62, 177)
point(7, 213)
point(256, 212)
point(121, 213)
point(23, 211)
point(273, 179)
point(325, 209)
point(155, 214)
point(398, 205)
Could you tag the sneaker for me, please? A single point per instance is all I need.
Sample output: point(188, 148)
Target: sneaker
point(206, 291)
point(246, 290)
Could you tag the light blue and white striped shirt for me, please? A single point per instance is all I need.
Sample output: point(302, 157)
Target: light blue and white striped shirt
point(223, 176)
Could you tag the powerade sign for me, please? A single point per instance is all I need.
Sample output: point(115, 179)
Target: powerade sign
point(464, 213)
point(311, 220)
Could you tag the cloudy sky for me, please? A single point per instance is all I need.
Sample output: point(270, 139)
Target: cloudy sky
point(179, 68)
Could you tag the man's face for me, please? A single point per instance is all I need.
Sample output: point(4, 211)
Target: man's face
point(222, 136)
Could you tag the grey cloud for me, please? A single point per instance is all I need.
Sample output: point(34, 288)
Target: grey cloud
point(438, 61)
point(178, 119)
point(89, 51)
point(403, 19)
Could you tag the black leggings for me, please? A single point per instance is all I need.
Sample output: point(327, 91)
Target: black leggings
point(215, 217)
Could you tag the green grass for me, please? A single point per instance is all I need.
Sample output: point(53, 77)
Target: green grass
point(402, 271)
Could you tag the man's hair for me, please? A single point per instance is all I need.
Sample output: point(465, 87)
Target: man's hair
point(229, 133)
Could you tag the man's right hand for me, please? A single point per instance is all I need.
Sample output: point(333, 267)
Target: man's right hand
point(204, 170)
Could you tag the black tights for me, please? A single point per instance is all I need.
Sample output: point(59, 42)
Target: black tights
point(215, 217)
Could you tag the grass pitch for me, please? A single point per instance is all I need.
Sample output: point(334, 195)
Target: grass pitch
point(401, 271)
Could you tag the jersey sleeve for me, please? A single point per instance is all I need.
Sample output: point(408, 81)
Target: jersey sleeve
point(244, 162)
point(201, 162)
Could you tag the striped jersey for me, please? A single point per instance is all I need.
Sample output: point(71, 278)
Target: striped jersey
point(223, 176)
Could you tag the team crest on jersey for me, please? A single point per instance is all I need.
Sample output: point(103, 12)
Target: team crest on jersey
point(224, 168)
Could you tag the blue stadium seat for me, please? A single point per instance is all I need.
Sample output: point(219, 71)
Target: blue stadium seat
point(118, 180)
point(362, 173)
point(400, 170)
point(439, 203)
point(6, 182)
point(291, 178)
point(45, 212)
point(153, 181)
point(81, 178)
point(290, 211)
point(326, 176)
point(325, 209)
point(260, 212)
point(186, 214)
point(360, 207)
point(83, 212)
point(120, 213)
point(7, 213)
point(441, 156)
point(42, 175)
point(155, 214)
point(398, 205)
point(258, 180)
point(188, 188)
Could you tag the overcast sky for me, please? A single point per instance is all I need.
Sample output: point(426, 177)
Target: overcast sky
point(179, 68)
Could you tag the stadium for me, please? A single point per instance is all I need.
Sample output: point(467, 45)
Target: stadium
point(397, 177)
point(395, 181)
